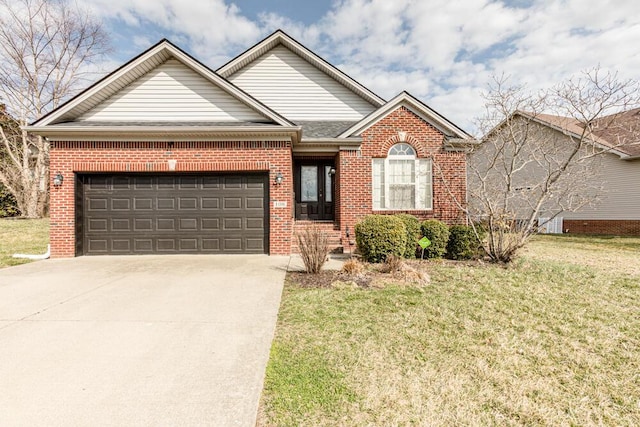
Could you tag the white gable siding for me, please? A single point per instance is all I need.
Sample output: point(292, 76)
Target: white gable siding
point(620, 198)
point(296, 89)
point(172, 92)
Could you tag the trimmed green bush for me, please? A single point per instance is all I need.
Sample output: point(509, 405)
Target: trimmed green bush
point(438, 233)
point(463, 243)
point(412, 224)
point(378, 236)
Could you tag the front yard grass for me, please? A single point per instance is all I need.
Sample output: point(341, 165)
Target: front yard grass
point(29, 236)
point(553, 339)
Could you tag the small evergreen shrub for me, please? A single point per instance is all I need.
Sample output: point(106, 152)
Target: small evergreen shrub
point(8, 204)
point(463, 243)
point(438, 233)
point(379, 236)
point(412, 224)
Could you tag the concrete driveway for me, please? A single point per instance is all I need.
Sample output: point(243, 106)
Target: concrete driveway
point(149, 340)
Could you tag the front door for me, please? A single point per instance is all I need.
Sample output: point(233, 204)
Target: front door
point(314, 190)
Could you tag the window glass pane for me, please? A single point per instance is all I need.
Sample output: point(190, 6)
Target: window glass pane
point(402, 149)
point(328, 187)
point(402, 196)
point(401, 171)
point(309, 183)
point(378, 184)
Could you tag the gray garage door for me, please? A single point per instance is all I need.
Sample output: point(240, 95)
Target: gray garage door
point(145, 214)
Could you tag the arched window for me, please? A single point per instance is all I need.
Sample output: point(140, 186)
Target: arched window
point(401, 181)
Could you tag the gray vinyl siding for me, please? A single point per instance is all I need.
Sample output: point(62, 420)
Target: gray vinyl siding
point(299, 91)
point(172, 92)
point(621, 196)
point(615, 185)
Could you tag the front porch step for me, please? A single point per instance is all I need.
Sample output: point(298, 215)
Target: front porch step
point(334, 235)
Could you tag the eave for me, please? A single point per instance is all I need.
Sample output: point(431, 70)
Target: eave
point(326, 145)
point(460, 145)
point(166, 133)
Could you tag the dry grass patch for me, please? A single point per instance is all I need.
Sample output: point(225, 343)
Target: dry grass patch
point(620, 254)
point(542, 342)
point(29, 236)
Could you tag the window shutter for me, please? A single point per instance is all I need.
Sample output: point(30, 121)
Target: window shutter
point(424, 198)
point(378, 183)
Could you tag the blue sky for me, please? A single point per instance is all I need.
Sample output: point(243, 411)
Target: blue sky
point(444, 52)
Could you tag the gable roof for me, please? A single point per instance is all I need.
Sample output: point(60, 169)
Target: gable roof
point(604, 134)
point(135, 69)
point(279, 37)
point(405, 99)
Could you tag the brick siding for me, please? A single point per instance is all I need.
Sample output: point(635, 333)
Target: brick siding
point(74, 157)
point(611, 227)
point(354, 176)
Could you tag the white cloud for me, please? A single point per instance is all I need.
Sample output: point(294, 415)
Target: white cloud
point(445, 52)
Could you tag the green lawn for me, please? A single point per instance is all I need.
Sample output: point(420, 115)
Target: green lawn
point(30, 236)
point(553, 339)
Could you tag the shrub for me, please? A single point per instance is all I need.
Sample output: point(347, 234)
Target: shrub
point(463, 243)
point(8, 204)
point(412, 224)
point(438, 233)
point(314, 248)
point(378, 236)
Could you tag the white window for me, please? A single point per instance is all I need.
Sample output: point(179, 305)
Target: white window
point(401, 181)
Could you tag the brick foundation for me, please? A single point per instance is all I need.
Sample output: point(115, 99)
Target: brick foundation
point(74, 157)
point(593, 226)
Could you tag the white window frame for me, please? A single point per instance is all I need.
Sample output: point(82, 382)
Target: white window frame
point(422, 179)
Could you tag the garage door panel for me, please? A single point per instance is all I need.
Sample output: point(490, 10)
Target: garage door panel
point(97, 204)
point(97, 225)
point(129, 214)
point(210, 203)
point(166, 203)
point(120, 224)
point(143, 182)
point(120, 204)
point(142, 245)
point(188, 203)
point(142, 204)
point(232, 203)
point(121, 245)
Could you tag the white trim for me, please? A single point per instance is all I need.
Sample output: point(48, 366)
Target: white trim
point(280, 37)
point(418, 172)
point(404, 99)
point(168, 133)
point(161, 52)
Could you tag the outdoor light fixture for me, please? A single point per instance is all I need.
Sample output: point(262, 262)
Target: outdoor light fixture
point(332, 171)
point(57, 179)
point(279, 178)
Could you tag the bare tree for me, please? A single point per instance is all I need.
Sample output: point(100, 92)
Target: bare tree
point(45, 48)
point(540, 154)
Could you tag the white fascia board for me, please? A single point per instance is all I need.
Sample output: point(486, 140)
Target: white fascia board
point(415, 106)
point(173, 133)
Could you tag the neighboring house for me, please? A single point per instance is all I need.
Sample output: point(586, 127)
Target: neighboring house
point(165, 155)
point(614, 174)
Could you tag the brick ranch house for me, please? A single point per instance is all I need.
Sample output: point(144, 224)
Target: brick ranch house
point(165, 155)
